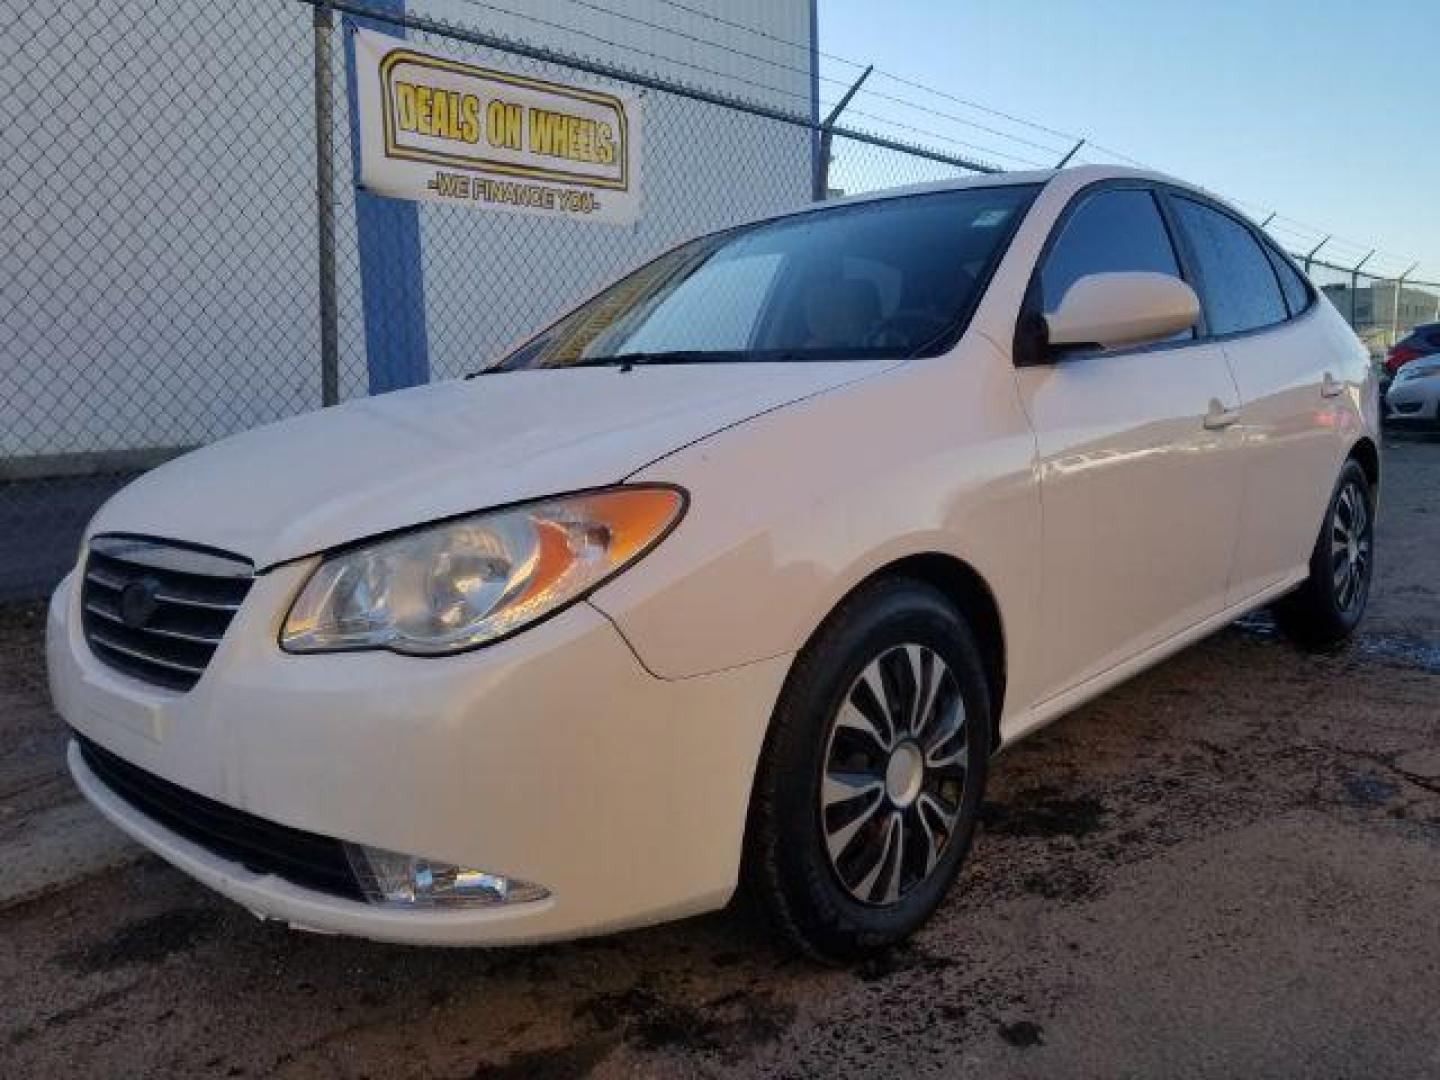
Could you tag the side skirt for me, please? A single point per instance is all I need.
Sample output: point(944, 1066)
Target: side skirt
point(1037, 716)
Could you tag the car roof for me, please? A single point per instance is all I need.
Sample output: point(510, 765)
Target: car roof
point(1082, 174)
point(1076, 177)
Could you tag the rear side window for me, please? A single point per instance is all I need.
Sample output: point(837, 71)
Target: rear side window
point(1237, 283)
point(1297, 296)
point(1111, 231)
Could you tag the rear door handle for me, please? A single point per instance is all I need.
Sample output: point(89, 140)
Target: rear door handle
point(1329, 387)
point(1219, 417)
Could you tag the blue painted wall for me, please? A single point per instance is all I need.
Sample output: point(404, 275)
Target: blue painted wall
point(392, 280)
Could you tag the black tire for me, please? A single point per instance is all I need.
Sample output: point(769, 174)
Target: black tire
point(1322, 612)
point(789, 873)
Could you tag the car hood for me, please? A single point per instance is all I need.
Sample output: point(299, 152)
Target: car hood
point(369, 466)
point(1424, 371)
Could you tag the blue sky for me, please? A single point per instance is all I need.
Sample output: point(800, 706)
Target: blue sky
point(1326, 110)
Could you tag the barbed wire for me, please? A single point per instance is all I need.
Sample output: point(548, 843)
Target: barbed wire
point(1313, 231)
point(807, 72)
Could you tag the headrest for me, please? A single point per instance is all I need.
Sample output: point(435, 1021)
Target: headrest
point(841, 311)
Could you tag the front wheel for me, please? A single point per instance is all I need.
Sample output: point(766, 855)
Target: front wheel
point(1328, 606)
point(868, 789)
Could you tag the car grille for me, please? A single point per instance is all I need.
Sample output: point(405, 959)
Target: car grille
point(305, 859)
point(157, 610)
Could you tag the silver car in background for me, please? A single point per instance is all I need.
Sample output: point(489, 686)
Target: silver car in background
point(1413, 400)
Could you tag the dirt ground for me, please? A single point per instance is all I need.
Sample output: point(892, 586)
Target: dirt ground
point(1228, 867)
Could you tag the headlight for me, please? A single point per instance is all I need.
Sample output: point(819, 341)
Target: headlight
point(462, 583)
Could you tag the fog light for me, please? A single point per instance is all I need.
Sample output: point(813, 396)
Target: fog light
point(396, 880)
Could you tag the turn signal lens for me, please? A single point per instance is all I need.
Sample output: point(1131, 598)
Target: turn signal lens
point(467, 582)
point(396, 880)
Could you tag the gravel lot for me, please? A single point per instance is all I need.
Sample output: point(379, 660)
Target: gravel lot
point(1230, 866)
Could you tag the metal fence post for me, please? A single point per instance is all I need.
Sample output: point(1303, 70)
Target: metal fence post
point(325, 206)
point(822, 166)
point(1395, 304)
point(1355, 286)
point(1310, 257)
point(1070, 154)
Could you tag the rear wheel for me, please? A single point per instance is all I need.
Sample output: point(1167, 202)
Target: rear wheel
point(867, 792)
point(1329, 604)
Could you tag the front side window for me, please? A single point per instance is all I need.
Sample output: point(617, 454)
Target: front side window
point(1111, 231)
point(890, 278)
point(1237, 284)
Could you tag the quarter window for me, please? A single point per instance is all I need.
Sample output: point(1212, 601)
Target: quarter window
point(1237, 283)
point(1111, 231)
point(1297, 296)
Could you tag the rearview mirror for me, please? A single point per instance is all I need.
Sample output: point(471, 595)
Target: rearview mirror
point(1117, 309)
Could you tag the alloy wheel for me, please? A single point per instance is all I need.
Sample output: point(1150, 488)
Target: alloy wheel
point(1350, 546)
point(894, 774)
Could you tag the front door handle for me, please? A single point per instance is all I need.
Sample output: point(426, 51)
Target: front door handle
point(1219, 418)
point(1330, 387)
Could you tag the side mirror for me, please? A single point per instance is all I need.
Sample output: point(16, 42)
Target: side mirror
point(1113, 310)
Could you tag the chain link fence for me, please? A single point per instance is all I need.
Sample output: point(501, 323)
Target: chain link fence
point(160, 283)
point(1382, 310)
point(159, 189)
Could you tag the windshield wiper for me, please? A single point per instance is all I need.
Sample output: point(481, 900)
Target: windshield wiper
point(627, 361)
point(631, 360)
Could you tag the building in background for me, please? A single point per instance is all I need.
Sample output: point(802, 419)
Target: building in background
point(1381, 317)
point(161, 287)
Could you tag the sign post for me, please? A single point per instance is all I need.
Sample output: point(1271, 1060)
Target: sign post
point(325, 208)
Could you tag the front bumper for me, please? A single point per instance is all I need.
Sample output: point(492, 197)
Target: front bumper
point(553, 757)
point(1412, 406)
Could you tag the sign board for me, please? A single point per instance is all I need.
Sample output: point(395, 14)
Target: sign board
point(446, 131)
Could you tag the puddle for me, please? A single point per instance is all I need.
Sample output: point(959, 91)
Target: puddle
point(1397, 648)
point(1258, 624)
point(1370, 790)
point(1412, 652)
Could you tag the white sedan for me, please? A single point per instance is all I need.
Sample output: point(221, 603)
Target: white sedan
point(737, 576)
point(1413, 399)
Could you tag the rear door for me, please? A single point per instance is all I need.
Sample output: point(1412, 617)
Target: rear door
point(1139, 471)
point(1291, 424)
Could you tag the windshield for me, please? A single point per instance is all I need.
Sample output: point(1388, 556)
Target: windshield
point(892, 278)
